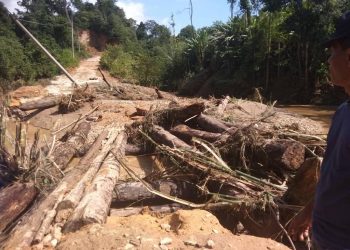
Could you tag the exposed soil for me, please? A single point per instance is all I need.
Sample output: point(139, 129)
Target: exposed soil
point(195, 229)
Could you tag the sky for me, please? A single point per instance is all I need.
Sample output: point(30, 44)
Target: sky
point(205, 12)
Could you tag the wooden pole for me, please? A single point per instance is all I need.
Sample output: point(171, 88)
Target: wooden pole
point(45, 50)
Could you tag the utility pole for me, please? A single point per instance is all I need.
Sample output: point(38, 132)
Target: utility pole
point(191, 12)
point(70, 19)
point(45, 50)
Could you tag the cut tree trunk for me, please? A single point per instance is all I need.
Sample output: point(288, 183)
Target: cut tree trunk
point(162, 136)
point(134, 191)
point(14, 200)
point(285, 154)
point(44, 103)
point(72, 199)
point(222, 105)
point(135, 150)
point(162, 209)
point(186, 133)
point(95, 204)
point(303, 186)
point(211, 124)
point(65, 152)
point(24, 233)
point(168, 117)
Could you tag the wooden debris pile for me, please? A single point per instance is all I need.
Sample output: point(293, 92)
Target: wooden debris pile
point(207, 163)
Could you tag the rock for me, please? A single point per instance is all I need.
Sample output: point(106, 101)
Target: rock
point(166, 227)
point(165, 241)
point(54, 243)
point(129, 246)
point(210, 244)
point(163, 247)
point(191, 242)
point(47, 240)
point(215, 231)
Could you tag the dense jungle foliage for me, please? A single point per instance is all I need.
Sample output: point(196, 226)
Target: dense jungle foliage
point(274, 46)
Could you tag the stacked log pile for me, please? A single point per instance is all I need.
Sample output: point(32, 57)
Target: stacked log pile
point(208, 163)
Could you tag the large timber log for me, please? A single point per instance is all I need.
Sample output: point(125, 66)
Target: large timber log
point(285, 154)
point(162, 136)
point(14, 200)
point(94, 206)
point(134, 191)
point(65, 152)
point(44, 103)
point(24, 233)
point(211, 124)
point(303, 185)
point(186, 133)
point(72, 199)
point(168, 117)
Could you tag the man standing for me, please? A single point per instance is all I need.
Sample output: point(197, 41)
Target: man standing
point(328, 214)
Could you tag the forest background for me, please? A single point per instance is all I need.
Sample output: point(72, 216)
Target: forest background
point(274, 46)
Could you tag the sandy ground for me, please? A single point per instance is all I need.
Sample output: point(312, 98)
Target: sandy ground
point(196, 229)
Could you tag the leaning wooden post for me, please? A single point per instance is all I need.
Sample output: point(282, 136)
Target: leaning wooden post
point(45, 50)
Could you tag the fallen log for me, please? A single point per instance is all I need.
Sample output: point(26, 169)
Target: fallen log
point(162, 136)
point(135, 150)
point(44, 103)
point(65, 152)
point(222, 105)
point(211, 124)
point(72, 199)
point(95, 205)
point(285, 154)
point(134, 191)
point(24, 233)
point(45, 225)
point(186, 133)
point(162, 209)
point(303, 186)
point(14, 200)
point(168, 117)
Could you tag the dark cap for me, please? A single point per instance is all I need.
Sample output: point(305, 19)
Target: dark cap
point(342, 29)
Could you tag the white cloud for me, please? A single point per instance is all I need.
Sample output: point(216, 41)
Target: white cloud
point(132, 9)
point(165, 21)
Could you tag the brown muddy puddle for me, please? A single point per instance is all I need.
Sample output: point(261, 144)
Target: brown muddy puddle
point(322, 114)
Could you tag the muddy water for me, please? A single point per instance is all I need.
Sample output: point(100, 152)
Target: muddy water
point(322, 114)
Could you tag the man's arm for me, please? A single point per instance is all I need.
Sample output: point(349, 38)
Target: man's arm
point(300, 225)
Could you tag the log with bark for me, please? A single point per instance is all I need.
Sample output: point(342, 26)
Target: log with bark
point(44, 103)
point(134, 191)
point(186, 133)
point(94, 206)
point(302, 187)
point(72, 199)
point(131, 149)
point(178, 115)
point(285, 154)
point(14, 200)
point(211, 124)
point(24, 233)
point(65, 152)
point(162, 136)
